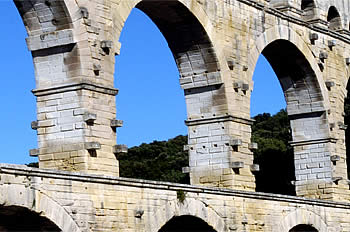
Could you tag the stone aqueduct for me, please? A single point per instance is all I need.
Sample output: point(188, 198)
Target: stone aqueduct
point(216, 45)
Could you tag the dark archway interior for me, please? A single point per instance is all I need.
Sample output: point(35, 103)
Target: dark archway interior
point(186, 224)
point(303, 228)
point(303, 97)
point(186, 37)
point(21, 219)
point(334, 19)
point(346, 124)
point(308, 8)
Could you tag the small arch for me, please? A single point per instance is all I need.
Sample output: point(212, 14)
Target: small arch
point(30, 220)
point(303, 228)
point(334, 19)
point(308, 8)
point(38, 202)
point(302, 218)
point(186, 223)
point(190, 207)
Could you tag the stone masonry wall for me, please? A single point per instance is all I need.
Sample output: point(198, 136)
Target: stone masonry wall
point(216, 45)
point(78, 202)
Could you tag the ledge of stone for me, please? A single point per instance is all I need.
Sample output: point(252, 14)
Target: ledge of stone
point(217, 119)
point(75, 87)
point(51, 39)
point(22, 170)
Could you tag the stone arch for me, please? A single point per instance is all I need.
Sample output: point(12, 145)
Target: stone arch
point(188, 33)
point(190, 207)
point(186, 223)
point(306, 97)
point(301, 217)
point(303, 228)
point(285, 33)
point(34, 200)
point(40, 17)
point(309, 9)
point(334, 19)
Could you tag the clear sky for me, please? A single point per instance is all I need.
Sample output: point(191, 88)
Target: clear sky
point(150, 100)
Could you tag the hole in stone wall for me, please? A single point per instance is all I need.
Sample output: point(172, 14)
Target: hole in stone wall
point(18, 103)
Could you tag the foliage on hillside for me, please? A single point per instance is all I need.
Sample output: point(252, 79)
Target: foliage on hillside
point(275, 156)
point(162, 161)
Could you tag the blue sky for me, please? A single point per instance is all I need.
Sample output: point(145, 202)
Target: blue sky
point(150, 101)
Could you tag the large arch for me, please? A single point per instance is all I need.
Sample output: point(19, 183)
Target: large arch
point(189, 35)
point(40, 16)
point(281, 32)
point(307, 99)
point(301, 217)
point(38, 202)
point(190, 207)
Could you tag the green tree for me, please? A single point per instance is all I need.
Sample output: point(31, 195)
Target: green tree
point(274, 155)
point(162, 161)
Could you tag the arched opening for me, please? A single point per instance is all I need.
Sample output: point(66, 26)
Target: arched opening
point(186, 224)
point(182, 39)
point(308, 8)
point(271, 131)
point(334, 19)
point(18, 103)
point(303, 228)
point(347, 127)
point(305, 113)
point(13, 218)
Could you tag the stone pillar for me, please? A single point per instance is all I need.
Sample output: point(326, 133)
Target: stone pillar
point(76, 109)
point(219, 148)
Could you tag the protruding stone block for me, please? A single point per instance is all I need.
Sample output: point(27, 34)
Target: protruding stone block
point(139, 213)
point(237, 85)
point(313, 37)
point(84, 12)
point(323, 55)
point(237, 165)
point(330, 84)
point(332, 43)
point(245, 87)
point(235, 142)
point(335, 158)
point(115, 123)
point(253, 146)
point(35, 125)
point(92, 146)
point(97, 68)
point(186, 170)
point(231, 64)
point(34, 152)
point(89, 117)
point(186, 147)
point(336, 179)
point(106, 44)
point(120, 149)
point(255, 168)
point(347, 61)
